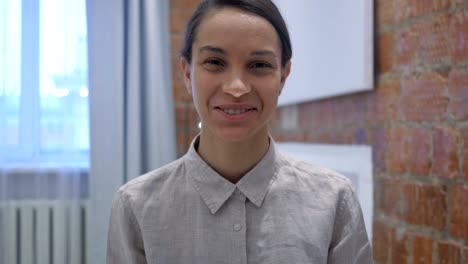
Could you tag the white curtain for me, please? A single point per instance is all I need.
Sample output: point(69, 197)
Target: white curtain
point(131, 109)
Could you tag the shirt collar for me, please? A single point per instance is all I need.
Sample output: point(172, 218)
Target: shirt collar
point(215, 190)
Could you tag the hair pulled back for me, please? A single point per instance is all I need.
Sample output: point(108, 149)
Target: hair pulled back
point(263, 8)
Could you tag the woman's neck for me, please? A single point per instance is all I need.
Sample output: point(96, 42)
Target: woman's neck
point(232, 160)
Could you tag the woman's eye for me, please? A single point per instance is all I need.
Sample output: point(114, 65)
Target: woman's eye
point(260, 65)
point(213, 62)
point(213, 65)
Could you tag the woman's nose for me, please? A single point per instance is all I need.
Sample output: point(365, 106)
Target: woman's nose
point(236, 87)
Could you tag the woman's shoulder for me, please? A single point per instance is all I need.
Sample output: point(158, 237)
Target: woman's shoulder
point(153, 182)
point(313, 175)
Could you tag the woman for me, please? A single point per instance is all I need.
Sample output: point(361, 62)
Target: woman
point(233, 198)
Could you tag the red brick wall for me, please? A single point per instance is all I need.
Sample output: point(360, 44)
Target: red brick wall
point(186, 116)
point(415, 119)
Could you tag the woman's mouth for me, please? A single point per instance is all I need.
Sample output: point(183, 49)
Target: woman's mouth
point(236, 111)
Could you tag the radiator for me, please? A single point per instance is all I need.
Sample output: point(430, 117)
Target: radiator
point(43, 232)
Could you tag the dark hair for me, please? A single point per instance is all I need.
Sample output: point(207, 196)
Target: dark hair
point(263, 8)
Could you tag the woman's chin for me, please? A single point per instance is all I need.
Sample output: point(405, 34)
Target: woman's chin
point(238, 135)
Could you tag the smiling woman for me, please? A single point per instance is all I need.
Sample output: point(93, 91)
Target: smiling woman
point(235, 86)
point(234, 198)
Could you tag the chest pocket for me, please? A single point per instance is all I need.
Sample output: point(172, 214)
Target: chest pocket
point(297, 235)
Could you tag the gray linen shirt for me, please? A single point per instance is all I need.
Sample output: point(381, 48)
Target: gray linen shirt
point(281, 211)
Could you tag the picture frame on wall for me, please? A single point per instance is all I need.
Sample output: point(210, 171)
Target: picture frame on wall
point(332, 45)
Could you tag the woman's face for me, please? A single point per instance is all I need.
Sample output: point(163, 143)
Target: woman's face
point(235, 76)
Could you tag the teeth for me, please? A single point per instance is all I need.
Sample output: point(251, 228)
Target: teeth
point(234, 111)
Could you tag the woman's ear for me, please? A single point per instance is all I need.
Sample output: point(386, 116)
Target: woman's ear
point(185, 69)
point(284, 75)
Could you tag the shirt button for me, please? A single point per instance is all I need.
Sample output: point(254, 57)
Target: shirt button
point(237, 227)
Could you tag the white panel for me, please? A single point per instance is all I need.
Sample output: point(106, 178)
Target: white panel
point(43, 233)
point(26, 237)
point(354, 161)
point(59, 233)
point(332, 48)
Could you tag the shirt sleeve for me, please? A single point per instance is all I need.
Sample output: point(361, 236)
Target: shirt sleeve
point(125, 243)
point(350, 243)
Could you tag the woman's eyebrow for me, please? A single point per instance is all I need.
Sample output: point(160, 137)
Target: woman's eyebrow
point(263, 53)
point(212, 49)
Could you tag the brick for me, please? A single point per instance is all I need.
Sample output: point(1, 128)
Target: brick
point(464, 154)
point(349, 109)
point(419, 151)
point(385, 44)
point(384, 12)
point(383, 102)
point(360, 136)
point(460, 2)
point(275, 122)
point(181, 141)
point(423, 98)
point(308, 116)
point(397, 150)
point(180, 115)
point(186, 114)
point(400, 9)
point(399, 250)
point(379, 141)
point(458, 91)
point(405, 48)
point(422, 249)
point(426, 42)
point(177, 4)
point(317, 114)
point(445, 142)
point(424, 205)
point(422, 7)
point(193, 132)
point(289, 135)
point(433, 41)
point(391, 197)
point(194, 117)
point(187, 5)
point(180, 93)
point(176, 21)
point(190, 5)
point(381, 241)
point(459, 37)
point(342, 136)
point(317, 137)
point(176, 45)
point(449, 253)
point(183, 114)
point(338, 136)
point(459, 211)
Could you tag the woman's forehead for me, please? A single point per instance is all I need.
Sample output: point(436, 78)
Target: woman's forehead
point(235, 27)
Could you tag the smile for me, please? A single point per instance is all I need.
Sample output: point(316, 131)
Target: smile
point(235, 111)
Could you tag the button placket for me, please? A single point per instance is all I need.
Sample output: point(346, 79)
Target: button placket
point(239, 229)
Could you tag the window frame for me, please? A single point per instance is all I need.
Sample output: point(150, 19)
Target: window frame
point(28, 154)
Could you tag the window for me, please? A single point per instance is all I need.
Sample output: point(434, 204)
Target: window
point(43, 84)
